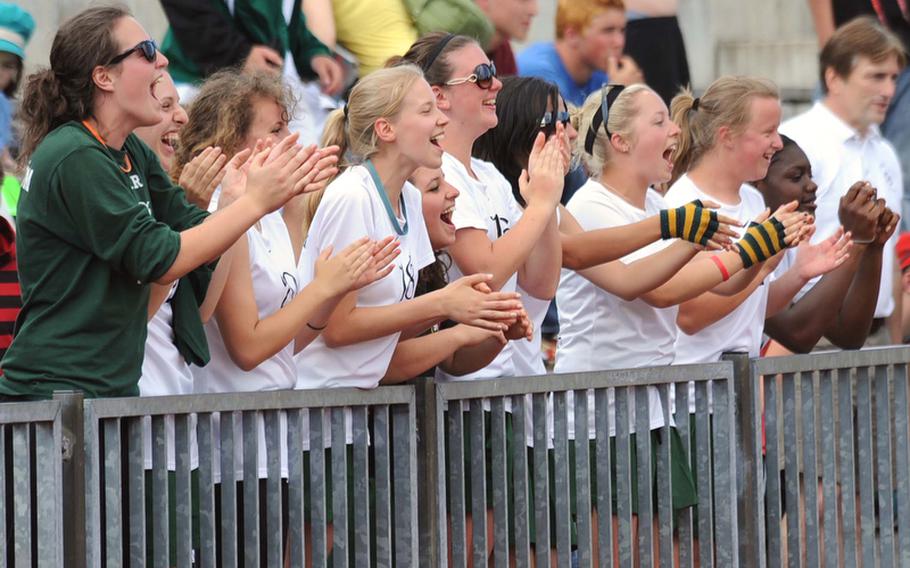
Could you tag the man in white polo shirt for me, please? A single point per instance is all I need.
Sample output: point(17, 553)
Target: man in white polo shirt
point(859, 66)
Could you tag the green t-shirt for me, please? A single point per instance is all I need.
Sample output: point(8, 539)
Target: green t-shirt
point(91, 238)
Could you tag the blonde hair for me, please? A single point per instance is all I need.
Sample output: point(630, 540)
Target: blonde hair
point(619, 121)
point(378, 95)
point(726, 102)
point(577, 14)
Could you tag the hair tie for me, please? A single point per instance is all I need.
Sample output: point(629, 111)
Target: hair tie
point(695, 102)
point(344, 109)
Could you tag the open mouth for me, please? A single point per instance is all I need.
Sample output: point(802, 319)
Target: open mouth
point(170, 141)
point(668, 154)
point(446, 216)
point(436, 138)
point(153, 85)
point(490, 104)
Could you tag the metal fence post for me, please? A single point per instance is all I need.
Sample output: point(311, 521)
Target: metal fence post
point(427, 471)
point(750, 496)
point(71, 414)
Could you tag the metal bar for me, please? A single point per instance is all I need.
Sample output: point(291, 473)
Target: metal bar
point(865, 457)
point(834, 360)
point(623, 476)
point(830, 545)
point(582, 481)
point(457, 505)
point(704, 474)
point(341, 545)
point(184, 523)
point(296, 534)
point(405, 479)
point(792, 443)
point(541, 484)
point(499, 484)
point(135, 443)
point(160, 491)
point(382, 441)
point(318, 496)
point(772, 445)
point(643, 451)
point(22, 498)
point(478, 483)
point(442, 510)
point(902, 459)
point(361, 496)
point(561, 482)
point(520, 409)
point(73, 499)
point(207, 521)
point(665, 482)
point(250, 425)
point(685, 518)
point(809, 392)
point(5, 498)
point(49, 493)
point(847, 467)
point(93, 532)
point(885, 463)
point(274, 444)
point(725, 513)
point(113, 492)
point(229, 531)
point(602, 420)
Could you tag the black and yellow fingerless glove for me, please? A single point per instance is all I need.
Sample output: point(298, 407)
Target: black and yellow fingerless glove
point(761, 241)
point(692, 222)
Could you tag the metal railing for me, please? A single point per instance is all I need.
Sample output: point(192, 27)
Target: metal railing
point(382, 477)
point(31, 473)
point(836, 426)
point(713, 436)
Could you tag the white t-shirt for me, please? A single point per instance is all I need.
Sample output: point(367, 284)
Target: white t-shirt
point(840, 157)
point(601, 331)
point(351, 209)
point(741, 329)
point(485, 203)
point(276, 282)
point(165, 372)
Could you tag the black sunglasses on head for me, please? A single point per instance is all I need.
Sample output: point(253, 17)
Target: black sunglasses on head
point(549, 120)
point(483, 76)
point(148, 48)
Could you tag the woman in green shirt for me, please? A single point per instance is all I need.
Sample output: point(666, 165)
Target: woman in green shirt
point(100, 220)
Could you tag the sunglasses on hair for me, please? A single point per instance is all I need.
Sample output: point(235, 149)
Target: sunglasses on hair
point(148, 48)
point(483, 76)
point(549, 120)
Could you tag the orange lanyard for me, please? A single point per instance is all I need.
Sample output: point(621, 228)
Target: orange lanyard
point(128, 165)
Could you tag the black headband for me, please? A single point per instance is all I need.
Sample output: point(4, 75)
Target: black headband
point(437, 49)
point(608, 94)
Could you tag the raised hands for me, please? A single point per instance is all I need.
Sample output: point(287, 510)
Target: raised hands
point(469, 300)
point(822, 258)
point(859, 212)
point(698, 224)
point(768, 235)
point(361, 263)
point(279, 173)
point(542, 182)
point(202, 175)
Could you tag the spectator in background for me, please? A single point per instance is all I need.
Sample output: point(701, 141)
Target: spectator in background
point(587, 53)
point(859, 67)
point(655, 42)
point(16, 27)
point(895, 15)
point(511, 19)
point(256, 35)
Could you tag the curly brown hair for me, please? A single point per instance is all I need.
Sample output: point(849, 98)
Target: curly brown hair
point(222, 112)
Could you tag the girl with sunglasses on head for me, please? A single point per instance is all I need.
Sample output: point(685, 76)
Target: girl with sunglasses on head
point(100, 219)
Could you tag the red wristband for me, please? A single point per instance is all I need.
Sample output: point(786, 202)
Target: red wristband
point(720, 265)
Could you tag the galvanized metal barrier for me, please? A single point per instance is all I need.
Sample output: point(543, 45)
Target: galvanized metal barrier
point(521, 399)
point(375, 523)
point(836, 426)
point(31, 483)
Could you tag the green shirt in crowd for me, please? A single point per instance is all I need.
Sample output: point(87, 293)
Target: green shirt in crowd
point(91, 237)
